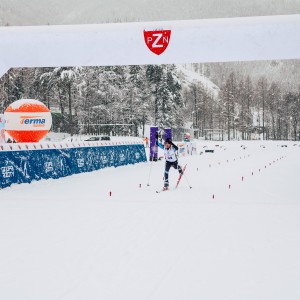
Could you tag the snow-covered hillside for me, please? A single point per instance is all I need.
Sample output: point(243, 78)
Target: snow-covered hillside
point(189, 76)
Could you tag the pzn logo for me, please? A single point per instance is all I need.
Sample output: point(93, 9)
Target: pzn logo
point(157, 40)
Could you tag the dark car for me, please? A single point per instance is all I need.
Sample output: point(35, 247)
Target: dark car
point(98, 138)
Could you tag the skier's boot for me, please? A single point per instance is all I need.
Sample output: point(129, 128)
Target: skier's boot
point(166, 186)
point(180, 170)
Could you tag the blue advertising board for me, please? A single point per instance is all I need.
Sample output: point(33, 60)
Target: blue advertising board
point(28, 165)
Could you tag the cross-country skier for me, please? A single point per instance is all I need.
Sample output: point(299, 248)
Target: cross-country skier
point(171, 159)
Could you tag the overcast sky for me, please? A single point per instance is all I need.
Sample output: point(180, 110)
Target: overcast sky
point(43, 12)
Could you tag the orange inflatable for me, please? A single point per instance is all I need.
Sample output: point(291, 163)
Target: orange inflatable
point(27, 120)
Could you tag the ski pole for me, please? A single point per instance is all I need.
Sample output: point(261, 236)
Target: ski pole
point(148, 184)
point(187, 180)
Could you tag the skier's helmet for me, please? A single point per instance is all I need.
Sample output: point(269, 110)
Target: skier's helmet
point(168, 141)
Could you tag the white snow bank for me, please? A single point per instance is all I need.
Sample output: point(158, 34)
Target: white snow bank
point(69, 239)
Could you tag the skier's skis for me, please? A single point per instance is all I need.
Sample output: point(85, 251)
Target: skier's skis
point(163, 190)
point(180, 176)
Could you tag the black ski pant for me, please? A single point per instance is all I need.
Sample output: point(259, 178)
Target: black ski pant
point(168, 166)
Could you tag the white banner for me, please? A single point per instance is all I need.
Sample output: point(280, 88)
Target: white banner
point(211, 40)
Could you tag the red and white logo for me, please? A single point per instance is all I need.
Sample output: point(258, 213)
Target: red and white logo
point(157, 40)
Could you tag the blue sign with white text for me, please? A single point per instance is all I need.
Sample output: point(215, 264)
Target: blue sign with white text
point(29, 165)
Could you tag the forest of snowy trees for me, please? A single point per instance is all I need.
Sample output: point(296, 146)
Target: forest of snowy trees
point(119, 100)
point(111, 100)
point(260, 107)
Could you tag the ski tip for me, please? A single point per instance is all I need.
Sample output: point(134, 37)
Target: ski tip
point(163, 190)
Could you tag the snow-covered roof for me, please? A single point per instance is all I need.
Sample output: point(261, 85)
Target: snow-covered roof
point(64, 145)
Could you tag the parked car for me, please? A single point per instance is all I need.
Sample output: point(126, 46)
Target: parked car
point(98, 138)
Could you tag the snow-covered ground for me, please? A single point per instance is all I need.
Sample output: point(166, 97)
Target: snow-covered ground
point(233, 236)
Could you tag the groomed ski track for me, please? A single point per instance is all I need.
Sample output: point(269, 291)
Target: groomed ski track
point(233, 236)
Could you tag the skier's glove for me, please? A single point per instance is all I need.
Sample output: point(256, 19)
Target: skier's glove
point(156, 135)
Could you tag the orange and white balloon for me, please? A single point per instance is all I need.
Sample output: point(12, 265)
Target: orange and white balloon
point(27, 120)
